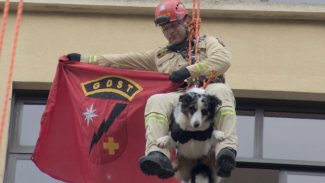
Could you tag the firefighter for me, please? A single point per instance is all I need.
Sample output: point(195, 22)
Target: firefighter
point(173, 19)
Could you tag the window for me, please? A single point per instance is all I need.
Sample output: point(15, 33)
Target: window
point(246, 133)
point(281, 134)
point(22, 170)
point(24, 130)
point(279, 141)
point(296, 137)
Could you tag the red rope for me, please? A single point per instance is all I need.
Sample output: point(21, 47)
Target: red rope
point(194, 27)
point(11, 68)
point(211, 77)
point(4, 23)
point(197, 30)
point(194, 30)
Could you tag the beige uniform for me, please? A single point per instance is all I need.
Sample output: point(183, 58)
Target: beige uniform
point(213, 57)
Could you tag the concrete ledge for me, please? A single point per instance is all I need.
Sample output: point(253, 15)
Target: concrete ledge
point(256, 94)
point(279, 95)
point(209, 8)
point(21, 85)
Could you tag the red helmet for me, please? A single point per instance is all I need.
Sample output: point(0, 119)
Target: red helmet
point(169, 11)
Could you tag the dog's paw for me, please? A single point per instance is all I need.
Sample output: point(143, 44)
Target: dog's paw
point(164, 142)
point(219, 135)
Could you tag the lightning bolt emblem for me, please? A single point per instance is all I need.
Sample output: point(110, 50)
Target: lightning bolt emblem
point(104, 126)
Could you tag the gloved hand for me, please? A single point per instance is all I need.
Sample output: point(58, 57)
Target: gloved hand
point(226, 162)
point(74, 57)
point(179, 75)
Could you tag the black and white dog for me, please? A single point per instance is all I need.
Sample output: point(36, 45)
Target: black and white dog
point(193, 134)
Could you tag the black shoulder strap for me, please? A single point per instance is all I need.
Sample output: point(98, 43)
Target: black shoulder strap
point(183, 136)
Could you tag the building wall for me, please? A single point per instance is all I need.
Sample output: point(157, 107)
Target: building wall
point(275, 55)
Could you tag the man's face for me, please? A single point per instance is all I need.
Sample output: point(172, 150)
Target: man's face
point(175, 32)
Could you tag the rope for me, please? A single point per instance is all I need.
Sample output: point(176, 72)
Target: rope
point(197, 30)
point(194, 32)
point(4, 23)
point(11, 68)
point(212, 76)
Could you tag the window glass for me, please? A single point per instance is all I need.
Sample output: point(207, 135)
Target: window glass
point(30, 123)
point(245, 133)
point(304, 177)
point(26, 171)
point(294, 139)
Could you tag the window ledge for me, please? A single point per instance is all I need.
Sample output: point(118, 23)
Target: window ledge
point(209, 9)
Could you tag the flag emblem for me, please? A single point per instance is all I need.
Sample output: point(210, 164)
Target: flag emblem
point(111, 146)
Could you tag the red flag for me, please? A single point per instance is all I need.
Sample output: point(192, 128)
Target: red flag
point(92, 130)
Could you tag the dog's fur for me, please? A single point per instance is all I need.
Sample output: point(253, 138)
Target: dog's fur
point(195, 112)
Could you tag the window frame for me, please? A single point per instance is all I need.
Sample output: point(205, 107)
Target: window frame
point(15, 151)
point(245, 106)
point(303, 109)
point(15, 147)
point(249, 113)
point(11, 166)
point(284, 174)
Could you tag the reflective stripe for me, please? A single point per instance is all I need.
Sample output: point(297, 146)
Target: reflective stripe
point(197, 67)
point(201, 68)
point(227, 111)
point(204, 67)
point(92, 59)
point(224, 111)
point(156, 117)
point(89, 59)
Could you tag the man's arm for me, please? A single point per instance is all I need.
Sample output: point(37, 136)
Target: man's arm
point(218, 59)
point(134, 61)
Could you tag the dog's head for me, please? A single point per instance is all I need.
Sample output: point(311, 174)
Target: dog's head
point(199, 107)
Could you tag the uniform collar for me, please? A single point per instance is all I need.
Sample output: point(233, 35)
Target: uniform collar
point(178, 47)
point(184, 45)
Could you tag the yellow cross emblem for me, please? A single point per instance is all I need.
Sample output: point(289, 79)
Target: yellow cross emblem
point(111, 146)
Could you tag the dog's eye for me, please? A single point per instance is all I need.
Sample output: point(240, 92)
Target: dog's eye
point(204, 112)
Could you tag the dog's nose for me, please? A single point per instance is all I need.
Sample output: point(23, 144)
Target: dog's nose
point(196, 124)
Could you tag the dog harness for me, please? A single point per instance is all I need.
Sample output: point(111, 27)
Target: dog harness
point(183, 136)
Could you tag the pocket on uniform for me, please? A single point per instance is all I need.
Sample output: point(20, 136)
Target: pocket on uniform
point(164, 59)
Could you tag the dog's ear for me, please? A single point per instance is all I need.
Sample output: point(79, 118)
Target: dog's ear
point(185, 99)
point(213, 101)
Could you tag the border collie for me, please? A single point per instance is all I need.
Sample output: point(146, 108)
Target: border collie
point(193, 134)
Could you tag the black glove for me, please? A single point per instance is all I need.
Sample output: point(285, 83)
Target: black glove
point(74, 57)
point(226, 162)
point(179, 75)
